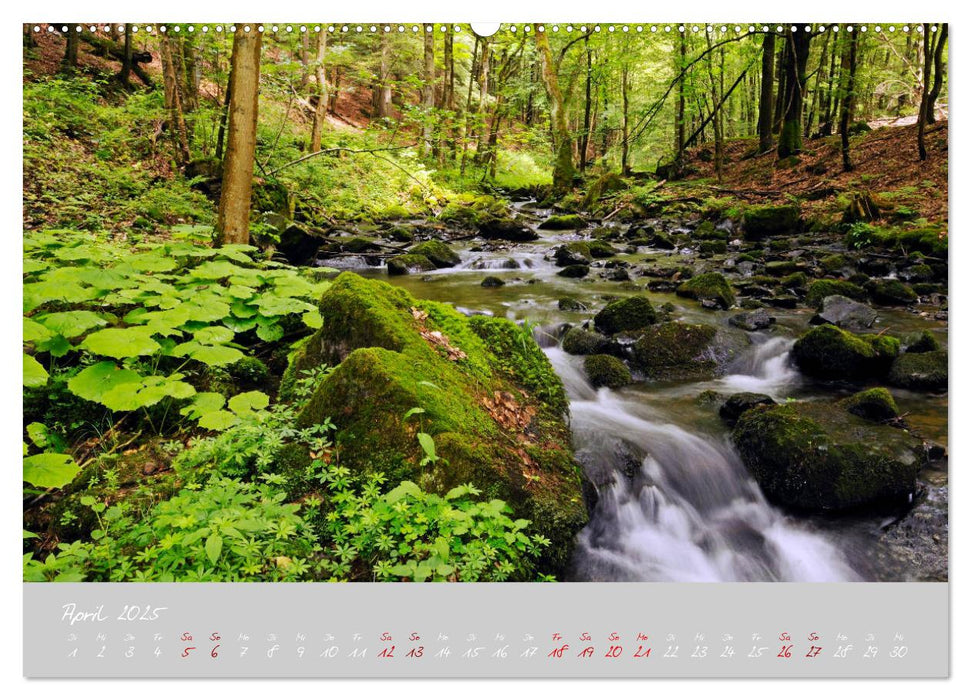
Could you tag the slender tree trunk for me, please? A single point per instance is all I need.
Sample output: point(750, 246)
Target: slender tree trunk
point(382, 91)
point(237, 183)
point(624, 119)
point(224, 116)
point(925, 94)
point(765, 97)
point(817, 90)
point(126, 62)
point(849, 96)
point(467, 131)
point(827, 101)
point(320, 109)
point(781, 89)
point(70, 61)
point(480, 111)
point(585, 136)
point(563, 163)
point(448, 100)
point(173, 101)
point(938, 73)
point(790, 138)
point(191, 77)
point(428, 89)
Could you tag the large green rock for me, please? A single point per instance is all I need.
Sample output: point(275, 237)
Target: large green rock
point(488, 395)
point(676, 350)
point(925, 371)
point(439, 253)
point(710, 285)
point(820, 289)
point(606, 370)
point(814, 456)
point(829, 352)
point(628, 314)
point(892, 293)
point(764, 221)
point(563, 222)
point(408, 264)
point(874, 404)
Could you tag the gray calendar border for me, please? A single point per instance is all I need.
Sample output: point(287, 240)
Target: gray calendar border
point(917, 612)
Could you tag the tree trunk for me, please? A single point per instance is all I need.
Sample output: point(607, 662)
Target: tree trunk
point(765, 97)
point(70, 60)
point(382, 91)
point(224, 115)
point(624, 120)
point(827, 103)
point(467, 130)
point(428, 88)
point(585, 136)
point(679, 117)
point(938, 73)
point(173, 101)
point(814, 109)
point(563, 163)
point(126, 62)
point(320, 110)
point(925, 94)
point(237, 183)
point(448, 99)
point(849, 95)
point(480, 127)
point(780, 91)
point(790, 138)
point(191, 67)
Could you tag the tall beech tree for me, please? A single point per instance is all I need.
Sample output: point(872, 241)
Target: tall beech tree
point(563, 170)
point(237, 172)
point(796, 55)
point(765, 96)
point(320, 88)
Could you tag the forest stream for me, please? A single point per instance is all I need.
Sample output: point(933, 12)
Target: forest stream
point(675, 501)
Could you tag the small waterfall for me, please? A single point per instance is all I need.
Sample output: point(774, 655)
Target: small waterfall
point(675, 505)
point(765, 370)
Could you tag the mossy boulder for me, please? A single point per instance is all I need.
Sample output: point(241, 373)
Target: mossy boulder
point(739, 403)
point(409, 264)
point(439, 253)
point(570, 304)
point(820, 289)
point(875, 404)
point(759, 222)
point(797, 280)
point(358, 245)
point(710, 285)
point(490, 399)
point(891, 293)
point(601, 249)
point(829, 352)
point(563, 222)
point(606, 370)
point(925, 342)
point(676, 350)
point(629, 314)
point(506, 229)
point(574, 271)
point(577, 341)
point(781, 268)
point(491, 282)
point(813, 456)
point(845, 313)
point(833, 263)
point(573, 253)
point(923, 371)
point(713, 248)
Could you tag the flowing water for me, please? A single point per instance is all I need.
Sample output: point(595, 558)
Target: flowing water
point(675, 503)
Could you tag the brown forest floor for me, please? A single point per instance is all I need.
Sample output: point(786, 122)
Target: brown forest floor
point(884, 160)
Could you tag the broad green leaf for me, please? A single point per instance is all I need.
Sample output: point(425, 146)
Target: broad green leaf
point(34, 373)
point(427, 445)
point(213, 335)
point(269, 333)
point(216, 355)
point(312, 319)
point(121, 342)
point(214, 547)
point(34, 331)
point(40, 293)
point(280, 306)
point(216, 269)
point(405, 488)
point(71, 324)
point(203, 402)
point(50, 470)
point(243, 310)
point(92, 383)
point(248, 401)
point(155, 261)
point(218, 420)
point(207, 310)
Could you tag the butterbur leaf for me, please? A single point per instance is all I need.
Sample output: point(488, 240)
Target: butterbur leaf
point(204, 402)
point(50, 470)
point(121, 342)
point(312, 319)
point(213, 335)
point(405, 488)
point(269, 333)
point(71, 324)
point(92, 383)
point(34, 331)
point(34, 373)
point(216, 355)
point(214, 547)
point(217, 420)
point(248, 401)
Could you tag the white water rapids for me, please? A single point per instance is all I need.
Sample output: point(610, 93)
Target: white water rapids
point(676, 505)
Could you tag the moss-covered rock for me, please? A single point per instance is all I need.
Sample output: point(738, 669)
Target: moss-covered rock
point(563, 222)
point(574, 271)
point(797, 280)
point(577, 341)
point(409, 264)
point(829, 352)
point(492, 281)
point(675, 350)
point(891, 292)
point(815, 457)
point(573, 253)
point(606, 370)
point(875, 404)
point(845, 313)
point(490, 399)
point(925, 371)
point(629, 314)
point(820, 289)
point(570, 304)
point(439, 253)
point(781, 268)
point(833, 263)
point(759, 222)
point(710, 285)
point(601, 249)
point(713, 247)
point(925, 342)
point(358, 245)
point(739, 403)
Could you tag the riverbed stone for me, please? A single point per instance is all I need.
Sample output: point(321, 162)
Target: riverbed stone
point(675, 350)
point(606, 370)
point(710, 285)
point(574, 271)
point(491, 402)
point(563, 222)
point(737, 404)
point(923, 371)
point(573, 253)
point(506, 229)
point(628, 314)
point(828, 352)
point(570, 304)
point(891, 293)
point(492, 281)
point(409, 263)
point(815, 456)
point(578, 341)
point(759, 222)
point(756, 320)
point(924, 342)
point(439, 253)
point(845, 313)
point(874, 404)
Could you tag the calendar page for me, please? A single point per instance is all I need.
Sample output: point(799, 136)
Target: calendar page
point(450, 350)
